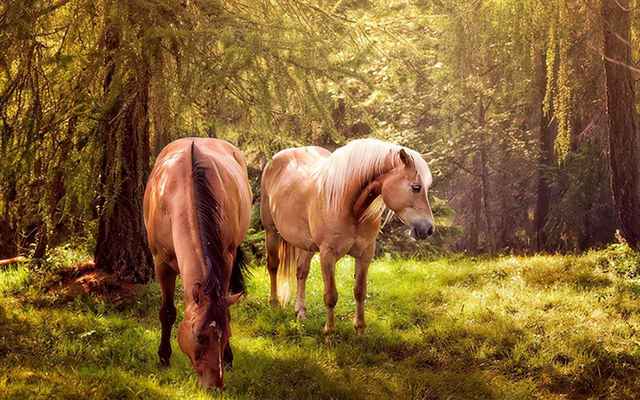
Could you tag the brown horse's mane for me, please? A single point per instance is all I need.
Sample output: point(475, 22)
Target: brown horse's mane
point(209, 218)
point(355, 164)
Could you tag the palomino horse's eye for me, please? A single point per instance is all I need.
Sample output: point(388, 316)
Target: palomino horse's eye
point(416, 187)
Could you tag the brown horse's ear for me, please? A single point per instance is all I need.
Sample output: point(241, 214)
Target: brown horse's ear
point(196, 292)
point(365, 198)
point(406, 159)
point(233, 298)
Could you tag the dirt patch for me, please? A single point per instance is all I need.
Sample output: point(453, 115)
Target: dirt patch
point(85, 278)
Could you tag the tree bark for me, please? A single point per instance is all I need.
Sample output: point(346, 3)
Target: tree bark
point(484, 178)
point(121, 246)
point(473, 236)
point(546, 138)
point(622, 118)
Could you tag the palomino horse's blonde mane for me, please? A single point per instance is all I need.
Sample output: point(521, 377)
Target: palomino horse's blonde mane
point(351, 166)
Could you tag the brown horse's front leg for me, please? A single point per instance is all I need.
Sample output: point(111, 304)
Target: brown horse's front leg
point(360, 289)
point(167, 279)
point(328, 263)
point(228, 357)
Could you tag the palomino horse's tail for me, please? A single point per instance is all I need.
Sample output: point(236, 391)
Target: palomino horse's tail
point(287, 270)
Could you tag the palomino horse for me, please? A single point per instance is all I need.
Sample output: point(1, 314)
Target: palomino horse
point(314, 200)
point(196, 210)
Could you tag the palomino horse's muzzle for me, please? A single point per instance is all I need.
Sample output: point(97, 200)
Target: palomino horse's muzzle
point(422, 229)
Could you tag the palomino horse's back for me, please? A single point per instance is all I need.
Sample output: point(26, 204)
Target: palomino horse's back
point(288, 179)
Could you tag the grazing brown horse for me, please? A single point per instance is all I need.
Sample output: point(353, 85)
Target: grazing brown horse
point(196, 210)
point(314, 200)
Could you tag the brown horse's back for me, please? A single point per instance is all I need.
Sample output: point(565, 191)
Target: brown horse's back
point(168, 196)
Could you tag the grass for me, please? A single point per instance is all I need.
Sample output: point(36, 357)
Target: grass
point(551, 327)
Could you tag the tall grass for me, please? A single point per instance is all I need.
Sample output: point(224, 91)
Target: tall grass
point(456, 328)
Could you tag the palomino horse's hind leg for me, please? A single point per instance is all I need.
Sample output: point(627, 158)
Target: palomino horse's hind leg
point(304, 262)
point(360, 289)
point(167, 279)
point(273, 244)
point(328, 264)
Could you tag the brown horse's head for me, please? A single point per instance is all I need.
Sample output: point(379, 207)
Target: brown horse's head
point(404, 190)
point(204, 334)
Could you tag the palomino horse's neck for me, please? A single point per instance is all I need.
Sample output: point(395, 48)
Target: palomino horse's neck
point(348, 171)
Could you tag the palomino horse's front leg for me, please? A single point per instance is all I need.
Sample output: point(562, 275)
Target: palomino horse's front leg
point(304, 262)
point(360, 290)
point(167, 279)
point(328, 264)
point(273, 260)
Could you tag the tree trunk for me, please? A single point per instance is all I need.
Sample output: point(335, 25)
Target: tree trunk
point(545, 162)
point(473, 237)
point(622, 118)
point(158, 102)
point(121, 246)
point(484, 178)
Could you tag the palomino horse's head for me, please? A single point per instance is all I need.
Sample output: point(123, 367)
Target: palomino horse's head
point(404, 190)
point(204, 335)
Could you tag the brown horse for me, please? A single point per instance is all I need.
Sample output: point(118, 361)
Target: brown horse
point(314, 200)
point(196, 210)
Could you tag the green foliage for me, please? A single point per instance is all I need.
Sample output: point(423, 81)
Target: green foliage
point(621, 259)
point(13, 278)
point(465, 83)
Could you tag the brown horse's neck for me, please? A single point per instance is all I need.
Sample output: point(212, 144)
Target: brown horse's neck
point(208, 216)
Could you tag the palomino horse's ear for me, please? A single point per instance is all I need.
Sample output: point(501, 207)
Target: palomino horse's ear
point(233, 298)
point(406, 159)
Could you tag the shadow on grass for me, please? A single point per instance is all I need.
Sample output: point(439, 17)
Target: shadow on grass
point(292, 374)
point(61, 354)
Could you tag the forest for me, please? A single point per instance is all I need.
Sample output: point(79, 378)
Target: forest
point(526, 112)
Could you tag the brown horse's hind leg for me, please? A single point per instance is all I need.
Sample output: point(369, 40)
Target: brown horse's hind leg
point(167, 278)
point(273, 260)
point(328, 263)
point(304, 262)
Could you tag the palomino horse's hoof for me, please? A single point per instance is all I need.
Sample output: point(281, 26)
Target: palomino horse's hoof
point(358, 326)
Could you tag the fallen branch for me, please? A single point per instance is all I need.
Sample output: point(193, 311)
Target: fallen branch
point(13, 260)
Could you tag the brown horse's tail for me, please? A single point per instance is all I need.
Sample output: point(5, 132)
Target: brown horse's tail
point(287, 270)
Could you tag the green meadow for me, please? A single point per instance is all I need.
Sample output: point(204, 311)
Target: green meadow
point(552, 327)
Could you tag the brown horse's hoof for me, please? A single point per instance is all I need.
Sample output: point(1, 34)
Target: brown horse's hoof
point(274, 303)
point(301, 315)
point(328, 330)
point(165, 356)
